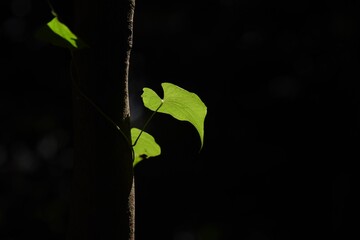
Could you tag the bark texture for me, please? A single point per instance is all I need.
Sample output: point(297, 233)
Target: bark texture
point(102, 205)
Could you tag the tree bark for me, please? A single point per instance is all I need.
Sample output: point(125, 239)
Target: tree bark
point(102, 204)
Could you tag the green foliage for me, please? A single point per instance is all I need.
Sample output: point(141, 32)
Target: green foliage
point(58, 34)
point(145, 146)
point(177, 102)
point(63, 31)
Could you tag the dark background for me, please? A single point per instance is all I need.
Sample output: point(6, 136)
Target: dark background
point(281, 83)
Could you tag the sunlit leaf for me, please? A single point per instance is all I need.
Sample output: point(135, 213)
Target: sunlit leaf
point(58, 34)
point(145, 147)
point(63, 31)
point(179, 103)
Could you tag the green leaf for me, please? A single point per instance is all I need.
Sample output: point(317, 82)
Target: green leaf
point(63, 31)
point(179, 103)
point(145, 147)
point(58, 34)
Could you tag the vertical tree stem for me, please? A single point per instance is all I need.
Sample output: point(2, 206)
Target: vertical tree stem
point(103, 201)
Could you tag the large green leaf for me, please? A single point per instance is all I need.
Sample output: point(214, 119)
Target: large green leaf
point(145, 146)
point(179, 103)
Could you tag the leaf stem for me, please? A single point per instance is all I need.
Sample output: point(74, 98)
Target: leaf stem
point(52, 9)
point(97, 108)
point(147, 122)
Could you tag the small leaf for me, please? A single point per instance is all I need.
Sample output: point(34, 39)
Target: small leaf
point(179, 103)
point(58, 34)
point(63, 31)
point(145, 147)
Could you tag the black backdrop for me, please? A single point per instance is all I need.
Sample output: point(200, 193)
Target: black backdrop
point(280, 80)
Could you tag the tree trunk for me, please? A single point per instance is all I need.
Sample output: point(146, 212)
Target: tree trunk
point(102, 204)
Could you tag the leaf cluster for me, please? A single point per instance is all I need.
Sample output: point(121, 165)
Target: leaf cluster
point(177, 102)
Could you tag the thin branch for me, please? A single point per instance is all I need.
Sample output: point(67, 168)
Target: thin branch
point(147, 122)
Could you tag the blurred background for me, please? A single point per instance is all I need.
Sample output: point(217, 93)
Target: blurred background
point(281, 83)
